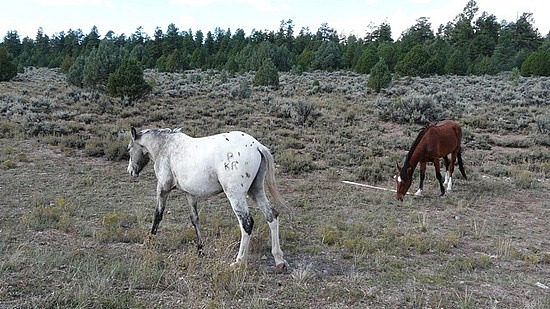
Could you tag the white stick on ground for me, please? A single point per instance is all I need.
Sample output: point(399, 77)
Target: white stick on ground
point(369, 186)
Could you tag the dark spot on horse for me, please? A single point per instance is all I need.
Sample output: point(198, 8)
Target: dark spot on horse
point(227, 139)
point(247, 175)
point(242, 185)
point(239, 154)
point(247, 222)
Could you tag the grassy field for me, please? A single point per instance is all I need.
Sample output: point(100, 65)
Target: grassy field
point(74, 229)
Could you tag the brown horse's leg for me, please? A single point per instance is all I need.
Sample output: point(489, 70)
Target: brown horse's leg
point(447, 173)
point(438, 175)
point(451, 170)
point(422, 177)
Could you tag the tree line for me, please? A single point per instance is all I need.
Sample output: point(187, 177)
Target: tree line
point(472, 43)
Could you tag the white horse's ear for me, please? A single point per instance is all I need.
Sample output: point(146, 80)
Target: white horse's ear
point(134, 133)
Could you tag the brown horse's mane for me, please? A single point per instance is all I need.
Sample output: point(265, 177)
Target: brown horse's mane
point(419, 137)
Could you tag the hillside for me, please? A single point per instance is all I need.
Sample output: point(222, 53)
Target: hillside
point(75, 226)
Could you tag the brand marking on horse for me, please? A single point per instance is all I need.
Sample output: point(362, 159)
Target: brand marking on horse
point(231, 164)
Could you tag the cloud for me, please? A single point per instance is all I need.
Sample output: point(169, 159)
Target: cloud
point(260, 5)
point(73, 3)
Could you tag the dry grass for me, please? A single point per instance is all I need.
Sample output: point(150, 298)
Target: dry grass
point(74, 229)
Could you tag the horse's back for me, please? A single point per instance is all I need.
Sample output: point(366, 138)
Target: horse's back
point(449, 134)
point(227, 160)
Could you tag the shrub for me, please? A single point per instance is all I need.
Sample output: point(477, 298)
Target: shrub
point(56, 215)
point(8, 70)
point(127, 81)
point(417, 109)
point(117, 228)
point(537, 63)
point(380, 76)
point(76, 71)
point(328, 57)
point(100, 63)
point(267, 75)
point(414, 63)
point(116, 150)
point(291, 162)
point(243, 91)
point(302, 113)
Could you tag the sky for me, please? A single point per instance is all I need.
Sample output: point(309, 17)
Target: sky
point(346, 17)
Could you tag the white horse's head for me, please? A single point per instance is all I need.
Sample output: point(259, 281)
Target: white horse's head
point(139, 157)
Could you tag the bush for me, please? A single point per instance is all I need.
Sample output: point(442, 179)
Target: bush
point(414, 63)
point(416, 109)
point(537, 64)
point(76, 71)
point(57, 215)
point(243, 91)
point(267, 75)
point(127, 81)
point(292, 162)
point(302, 113)
point(328, 57)
point(8, 70)
point(380, 76)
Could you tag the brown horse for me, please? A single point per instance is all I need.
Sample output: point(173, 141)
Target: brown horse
point(434, 141)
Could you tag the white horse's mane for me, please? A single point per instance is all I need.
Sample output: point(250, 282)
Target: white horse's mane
point(161, 131)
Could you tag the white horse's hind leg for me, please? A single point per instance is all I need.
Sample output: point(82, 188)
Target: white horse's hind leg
point(240, 208)
point(280, 262)
point(243, 247)
point(271, 216)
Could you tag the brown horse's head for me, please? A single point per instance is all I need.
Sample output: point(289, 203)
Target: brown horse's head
point(403, 180)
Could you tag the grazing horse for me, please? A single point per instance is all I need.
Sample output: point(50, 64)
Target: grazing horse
point(434, 141)
point(234, 163)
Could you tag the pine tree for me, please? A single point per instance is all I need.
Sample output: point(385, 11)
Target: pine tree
point(328, 57)
point(127, 81)
point(267, 75)
point(537, 64)
point(8, 70)
point(380, 76)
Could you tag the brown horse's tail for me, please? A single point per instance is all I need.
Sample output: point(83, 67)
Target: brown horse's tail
point(460, 164)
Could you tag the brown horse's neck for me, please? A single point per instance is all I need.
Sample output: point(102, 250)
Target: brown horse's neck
point(411, 160)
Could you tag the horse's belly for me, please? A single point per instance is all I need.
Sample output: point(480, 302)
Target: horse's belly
point(199, 185)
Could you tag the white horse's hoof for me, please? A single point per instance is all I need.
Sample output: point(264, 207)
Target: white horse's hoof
point(418, 193)
point(236, 265)
point(281, 267)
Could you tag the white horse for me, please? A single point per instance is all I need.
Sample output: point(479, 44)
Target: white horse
point(234, 163)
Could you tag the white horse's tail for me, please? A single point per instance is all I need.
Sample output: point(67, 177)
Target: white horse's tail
point(270, 175)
